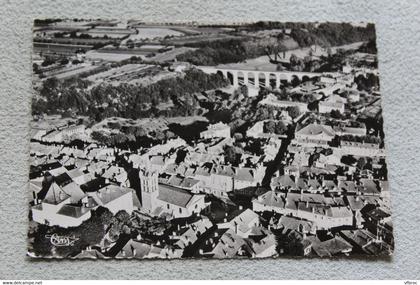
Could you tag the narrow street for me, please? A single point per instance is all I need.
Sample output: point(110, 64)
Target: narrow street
point(275, 165)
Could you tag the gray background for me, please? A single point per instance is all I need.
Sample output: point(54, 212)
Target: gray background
point(398, 43)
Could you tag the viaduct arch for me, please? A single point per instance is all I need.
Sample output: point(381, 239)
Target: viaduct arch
point(258, 78)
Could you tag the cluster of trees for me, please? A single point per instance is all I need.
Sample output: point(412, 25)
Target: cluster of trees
point(324, 34)
point(228, 51)
point(274, 127)
point(132, 137)
point(304, 64)
point(125, 100)
point(333, 62)
point(113, 139)
point(332, 34)
point(367, 83)
point(284, 95)
point(361, 163)
point(232, 154)
point(335, 114)
point(293, 111)
point(361, 139)
point(240, 115)
point(217, 52)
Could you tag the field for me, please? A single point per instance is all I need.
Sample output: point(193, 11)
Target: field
point(169, 55)
point(151, 33)
point(122, 73)
point(108, 56)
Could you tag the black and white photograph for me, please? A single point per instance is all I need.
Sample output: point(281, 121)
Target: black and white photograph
point(192, 140)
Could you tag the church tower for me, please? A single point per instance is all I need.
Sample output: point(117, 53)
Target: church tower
point(149, 189)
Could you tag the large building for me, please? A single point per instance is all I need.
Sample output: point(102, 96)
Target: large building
point(315, 134)
point(69, 206)
point(217, 130)
point(163, 199)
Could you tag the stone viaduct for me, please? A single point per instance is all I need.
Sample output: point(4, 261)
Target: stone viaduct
point(258, 77)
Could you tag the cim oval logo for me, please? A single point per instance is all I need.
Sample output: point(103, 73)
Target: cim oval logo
point(58, 240)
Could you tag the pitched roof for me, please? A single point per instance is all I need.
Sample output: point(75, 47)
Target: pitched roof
point(316, 129)
point(295, 224)
point(74, 173)
point(378, 214)
point(109, 193)
point(283, 181)
point(347, 186)
point(272, 199)
point(245, 218)
point(74, 191)
point(331, 247)
point(55, 195)
point(370, 186)
point(228, 245)
point(173, 195)
point(134, 249)
point(73, 211)
point(92, 253)
point(264, 244)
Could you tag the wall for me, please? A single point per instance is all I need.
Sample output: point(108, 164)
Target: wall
point(398, 38)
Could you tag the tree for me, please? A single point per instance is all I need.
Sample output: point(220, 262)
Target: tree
point(232, 154)
point(361, 162)
point(130, 44)
point(269, 127)
point(99, 137)
point(122, 216)
point(48, 61)
point(64, 61)
point(35, 68)
point(335, 114)
point(293, 59)
point(293, 111)
point(295, 81)
point(244, 91)
point(280, 128)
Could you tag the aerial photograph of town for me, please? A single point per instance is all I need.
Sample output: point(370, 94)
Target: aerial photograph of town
point(170, 140)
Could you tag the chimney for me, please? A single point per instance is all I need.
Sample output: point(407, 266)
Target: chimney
point(241, 207)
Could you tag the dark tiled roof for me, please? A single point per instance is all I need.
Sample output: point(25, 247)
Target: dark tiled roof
point(73, 211)
point(174, 195)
